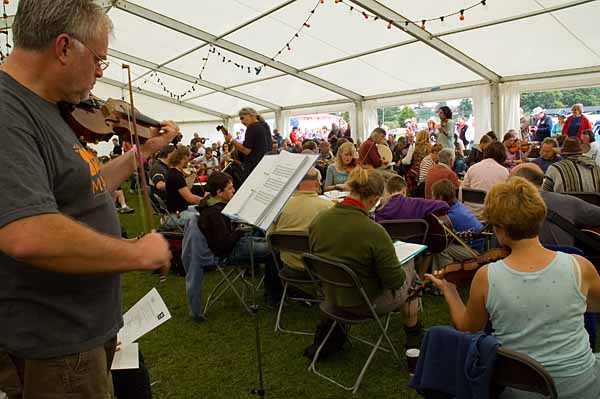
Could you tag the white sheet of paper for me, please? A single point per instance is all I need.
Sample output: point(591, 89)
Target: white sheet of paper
point(126, 358)
point(149, 313)
point(335, 194)
point(267, 189)
point(406, 251)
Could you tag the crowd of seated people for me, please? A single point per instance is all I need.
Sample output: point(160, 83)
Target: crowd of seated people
point(513, 294)
point(522, 194)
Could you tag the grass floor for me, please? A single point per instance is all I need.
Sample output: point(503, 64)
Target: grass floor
point(217, 359)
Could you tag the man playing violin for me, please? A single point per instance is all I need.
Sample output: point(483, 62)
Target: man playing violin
point(60, 246)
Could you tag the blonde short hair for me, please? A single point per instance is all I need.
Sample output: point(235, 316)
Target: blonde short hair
point(517, 207)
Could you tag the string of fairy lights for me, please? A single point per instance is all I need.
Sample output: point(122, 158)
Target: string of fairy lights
point(460, 13)
point(215, 52)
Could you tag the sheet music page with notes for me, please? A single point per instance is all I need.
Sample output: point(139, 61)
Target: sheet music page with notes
point(267, 189)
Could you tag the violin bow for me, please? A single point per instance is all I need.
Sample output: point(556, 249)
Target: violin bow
point(147, 221)
point(457, 238)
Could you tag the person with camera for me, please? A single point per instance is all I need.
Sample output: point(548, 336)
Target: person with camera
point(257, 140)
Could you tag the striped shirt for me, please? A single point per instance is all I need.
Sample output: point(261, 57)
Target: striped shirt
point(573, 174)
point(426, 164)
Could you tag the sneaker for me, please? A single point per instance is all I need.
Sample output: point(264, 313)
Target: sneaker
point(126, 209)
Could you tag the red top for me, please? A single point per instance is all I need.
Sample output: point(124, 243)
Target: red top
point(354, 202)
point(369, 155)
point(584, 125)
point(293, 137)
point(437, 173)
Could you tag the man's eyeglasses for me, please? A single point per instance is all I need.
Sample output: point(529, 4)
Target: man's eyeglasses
point(103, 64)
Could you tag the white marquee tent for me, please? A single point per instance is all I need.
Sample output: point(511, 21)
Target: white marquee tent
point(342, 61)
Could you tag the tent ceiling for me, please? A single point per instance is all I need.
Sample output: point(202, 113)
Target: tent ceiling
point(341, 57)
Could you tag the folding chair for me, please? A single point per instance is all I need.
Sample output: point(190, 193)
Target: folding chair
point(471, 195)
point(235, 274)
point(519, 371)
point(592, 198)
point(339, 276)
point(407, 230)
point(295, 242)
point(166, 218)
point(196, 256)
point(228, 281)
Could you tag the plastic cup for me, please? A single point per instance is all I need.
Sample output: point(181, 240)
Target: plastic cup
point(412, 355)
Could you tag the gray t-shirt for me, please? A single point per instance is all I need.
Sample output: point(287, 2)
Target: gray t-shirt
point(44, 314)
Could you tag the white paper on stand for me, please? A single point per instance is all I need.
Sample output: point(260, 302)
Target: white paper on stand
point(406, 251)
point(147, 314)
point(267, 189)
point(126, 358)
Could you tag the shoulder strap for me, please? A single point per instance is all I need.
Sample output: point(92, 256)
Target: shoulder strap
point(570, 228)
point(577, 268)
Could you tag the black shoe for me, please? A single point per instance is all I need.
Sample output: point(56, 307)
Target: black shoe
point(198, 319)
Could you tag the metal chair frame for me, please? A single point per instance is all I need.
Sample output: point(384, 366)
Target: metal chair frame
point(167, 218)
point(228, 283)
point(519, 371)
point(350, 280)
point(296, 242)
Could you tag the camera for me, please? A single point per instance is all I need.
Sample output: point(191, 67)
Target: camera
point(219, 128)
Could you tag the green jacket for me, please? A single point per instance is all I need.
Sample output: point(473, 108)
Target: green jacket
point(345, 234)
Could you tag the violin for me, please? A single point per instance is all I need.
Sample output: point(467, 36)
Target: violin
point(462, 273)
point(95, 120)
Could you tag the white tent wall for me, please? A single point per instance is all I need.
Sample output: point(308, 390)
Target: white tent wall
point(482, 110)
point(369, 119)
point(510, 103)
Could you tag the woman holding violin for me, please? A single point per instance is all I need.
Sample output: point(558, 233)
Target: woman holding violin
point(535, 298)
point(446, 128)
point(513, 149)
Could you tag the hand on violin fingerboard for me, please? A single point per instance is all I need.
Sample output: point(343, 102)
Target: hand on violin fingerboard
point(169, 130)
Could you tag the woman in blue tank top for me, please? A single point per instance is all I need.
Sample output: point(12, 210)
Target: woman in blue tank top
point(535, 298)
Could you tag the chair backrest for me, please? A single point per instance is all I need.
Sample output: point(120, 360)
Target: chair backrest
point(473, 196)
point(289, 241)
point(333, 276)
point(519, 371)
point(159, 205)
point(592, 198)
point(407, 230)
point(437, 239)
